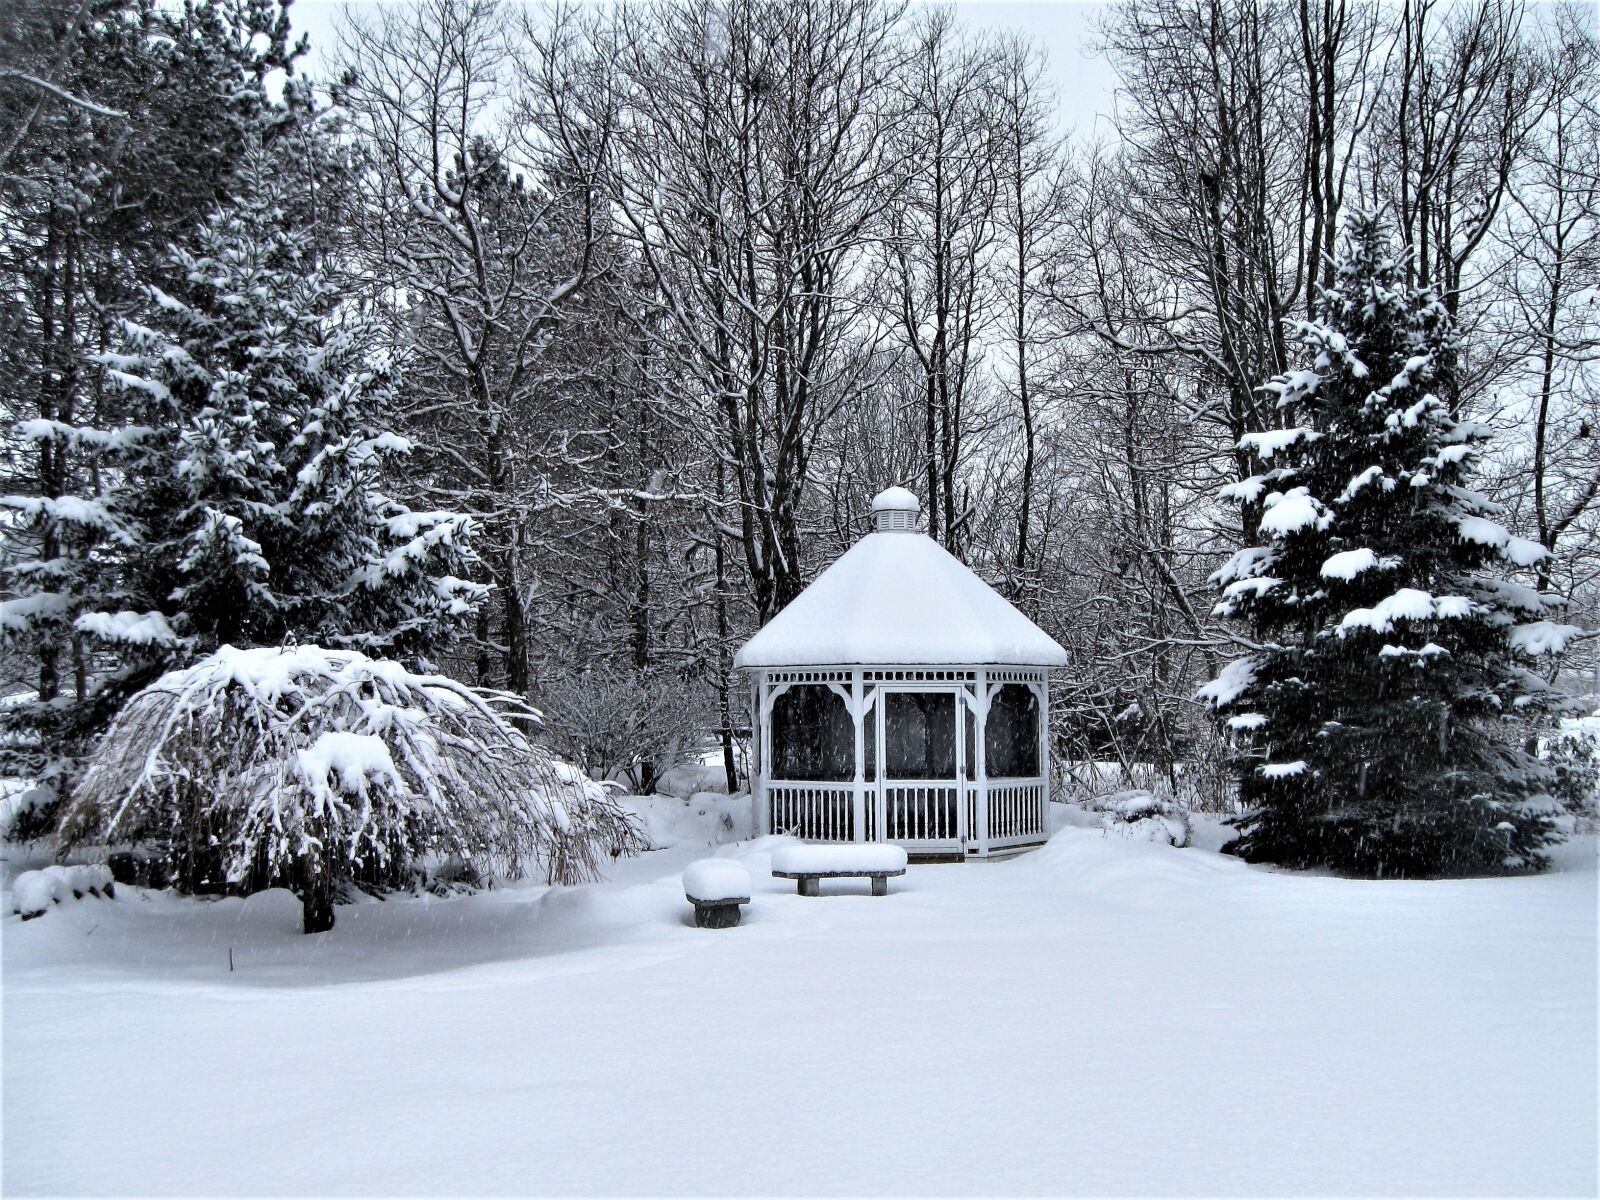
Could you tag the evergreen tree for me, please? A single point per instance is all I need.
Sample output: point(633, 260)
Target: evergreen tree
point(138, 142)
point(236, 498)
point(250, 496)
point(1378, 718)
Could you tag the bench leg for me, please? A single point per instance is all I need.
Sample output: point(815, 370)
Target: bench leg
point(806, 887)
point(880, 885)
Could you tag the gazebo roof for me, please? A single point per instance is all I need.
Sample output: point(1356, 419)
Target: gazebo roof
point(896, 598)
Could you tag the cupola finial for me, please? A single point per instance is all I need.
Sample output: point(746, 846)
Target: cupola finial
point(895, 510)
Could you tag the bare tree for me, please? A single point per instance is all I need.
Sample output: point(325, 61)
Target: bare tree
point(1547, 255)
point(1463, 100)
point(1214, 178)
point(486, 141)
point(942, 240)
point(1029, 215)
point(748, 173)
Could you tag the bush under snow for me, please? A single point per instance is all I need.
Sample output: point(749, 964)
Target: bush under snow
point(35, 891)
point(1144, 816)
point(311, 768)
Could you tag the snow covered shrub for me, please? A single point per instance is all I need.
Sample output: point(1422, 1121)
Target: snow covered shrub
point(1144, 816)
point(1381, 724)
point(310, 768)
point(35, 891)
point(28, 811)
point(620, 722)
point(1573, 756)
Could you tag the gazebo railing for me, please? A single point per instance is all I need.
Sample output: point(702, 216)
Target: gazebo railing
point(918, 813)
point(816, 812)
point(921, 810)
point(1016, 812)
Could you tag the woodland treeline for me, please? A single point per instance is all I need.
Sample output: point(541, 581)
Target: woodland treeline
point(675, 287)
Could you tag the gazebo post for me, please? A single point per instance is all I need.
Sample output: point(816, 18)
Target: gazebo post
point(980, 769)
point(858, 794)
point(1044, 753)
point(764, 726)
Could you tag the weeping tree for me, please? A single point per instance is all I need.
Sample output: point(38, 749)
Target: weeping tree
point(1383, 716)
point(318, 769)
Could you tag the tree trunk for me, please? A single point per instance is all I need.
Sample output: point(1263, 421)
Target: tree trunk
point(316, 897)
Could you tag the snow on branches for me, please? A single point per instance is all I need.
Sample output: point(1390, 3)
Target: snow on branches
point(312, 768)
point(1375, 719)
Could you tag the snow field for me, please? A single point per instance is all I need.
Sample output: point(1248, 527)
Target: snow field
point(1101, 1016)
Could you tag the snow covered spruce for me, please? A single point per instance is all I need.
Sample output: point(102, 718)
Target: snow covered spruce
point(235, 499)
point(318, 769)
point(1382, 719)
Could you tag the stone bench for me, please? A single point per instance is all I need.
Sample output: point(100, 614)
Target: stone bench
point(809, 865)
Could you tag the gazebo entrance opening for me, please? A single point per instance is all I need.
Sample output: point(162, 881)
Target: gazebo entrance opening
point(949, 765)
point(918, 788)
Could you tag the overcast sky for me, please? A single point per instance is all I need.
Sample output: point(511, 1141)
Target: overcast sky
point(1064, 28)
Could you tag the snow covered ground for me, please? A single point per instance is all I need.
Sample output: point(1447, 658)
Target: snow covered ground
point(1102, 1016)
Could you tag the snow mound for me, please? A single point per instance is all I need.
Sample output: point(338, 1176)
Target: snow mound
point(896, 499)
point(1142, 816)
point(138, 629)
point(1542, 637)
point(705, 819)
point(1292, 511)
point(708, 879)
point(821, 857)
point(1275, 441)
point(350, 759)
point(35, 891)
point(1407, 604)
point(1516, 550)
point(1347, 564)
point(1283, 770)
point(588, 915)
point(687, 779)
point(1233, 681)
point(1132, 871)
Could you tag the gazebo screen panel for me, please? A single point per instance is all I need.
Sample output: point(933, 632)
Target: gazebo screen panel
point(813, 737)
point(1011, 734)
point(969, 721)
point(920, 735)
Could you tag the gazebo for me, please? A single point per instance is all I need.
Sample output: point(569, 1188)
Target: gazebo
point(900, 698)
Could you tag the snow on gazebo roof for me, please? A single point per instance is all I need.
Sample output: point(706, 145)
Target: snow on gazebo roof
point(898, 597)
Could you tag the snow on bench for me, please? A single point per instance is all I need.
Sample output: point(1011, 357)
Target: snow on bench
point(807, 864)
point(35, 891)
point(716, 887)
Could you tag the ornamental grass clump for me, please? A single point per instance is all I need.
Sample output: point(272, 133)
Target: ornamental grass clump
point(314, 769)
